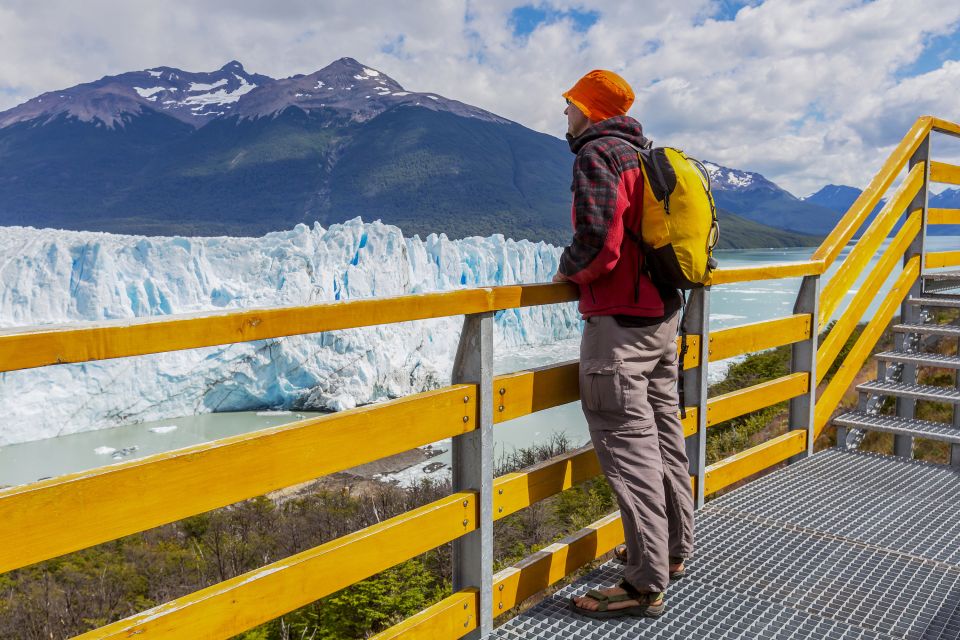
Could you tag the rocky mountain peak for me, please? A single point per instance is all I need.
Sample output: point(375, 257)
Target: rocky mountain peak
point(191, 97)
point(347, 90)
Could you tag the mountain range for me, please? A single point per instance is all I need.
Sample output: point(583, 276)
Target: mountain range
point(165, 151)
point(839, 198)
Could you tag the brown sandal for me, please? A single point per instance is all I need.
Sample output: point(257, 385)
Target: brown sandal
point(645, 609)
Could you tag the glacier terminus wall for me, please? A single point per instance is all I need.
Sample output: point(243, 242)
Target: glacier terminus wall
point(51, 276)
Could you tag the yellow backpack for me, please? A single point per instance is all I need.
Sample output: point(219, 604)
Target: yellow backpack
point(679, 226)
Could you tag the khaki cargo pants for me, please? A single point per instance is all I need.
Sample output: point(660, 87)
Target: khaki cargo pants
point(628, 391)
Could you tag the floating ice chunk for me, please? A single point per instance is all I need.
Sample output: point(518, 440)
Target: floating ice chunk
point(166, 429)
point(274, 413)
point(123, 453)
point(104, 451)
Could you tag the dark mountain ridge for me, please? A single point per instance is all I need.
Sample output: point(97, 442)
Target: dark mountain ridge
point(164, 152)
point(841, 197)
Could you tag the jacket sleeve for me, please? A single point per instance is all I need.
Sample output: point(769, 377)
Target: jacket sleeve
point(599, 201)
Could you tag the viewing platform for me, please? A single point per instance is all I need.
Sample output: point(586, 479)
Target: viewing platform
point(843, 544)
point(830, 543)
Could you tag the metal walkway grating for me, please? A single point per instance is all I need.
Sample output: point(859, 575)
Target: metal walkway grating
point(941, 281)
point(842, 545)
point(900, 426)
point(949, 330)
point(921, 359)
point(939, 301)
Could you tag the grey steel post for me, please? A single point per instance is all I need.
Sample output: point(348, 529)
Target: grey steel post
point(804, 358)
point(906, 407)
point(473, 466)
point(697, 320)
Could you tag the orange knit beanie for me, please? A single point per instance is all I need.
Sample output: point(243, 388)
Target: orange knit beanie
point(600, 95)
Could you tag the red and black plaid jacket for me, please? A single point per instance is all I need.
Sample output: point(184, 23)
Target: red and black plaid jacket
point(608, 195)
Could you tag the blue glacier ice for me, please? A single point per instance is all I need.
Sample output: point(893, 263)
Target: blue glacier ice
point(52, 276)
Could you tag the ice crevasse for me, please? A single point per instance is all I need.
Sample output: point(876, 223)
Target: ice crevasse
point(52, 276)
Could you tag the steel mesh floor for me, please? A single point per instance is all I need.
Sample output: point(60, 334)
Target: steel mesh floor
point(842, 545)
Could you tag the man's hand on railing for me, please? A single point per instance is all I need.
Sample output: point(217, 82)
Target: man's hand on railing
point(559, 277)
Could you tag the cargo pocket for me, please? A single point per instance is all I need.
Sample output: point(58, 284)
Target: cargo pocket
point(602, 388)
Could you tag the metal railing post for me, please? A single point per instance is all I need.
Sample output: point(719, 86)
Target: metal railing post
point(804, 358)
point(906, 407)
point(695, 383)
point(472, 461)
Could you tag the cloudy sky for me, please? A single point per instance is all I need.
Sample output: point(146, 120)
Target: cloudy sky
point(805, 92)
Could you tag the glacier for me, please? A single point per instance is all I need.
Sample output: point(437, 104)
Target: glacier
point(53, 276)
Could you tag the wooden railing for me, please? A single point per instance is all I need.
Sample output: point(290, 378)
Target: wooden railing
point(125, 498)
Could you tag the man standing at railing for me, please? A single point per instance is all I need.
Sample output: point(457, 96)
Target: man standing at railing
point(628, 354)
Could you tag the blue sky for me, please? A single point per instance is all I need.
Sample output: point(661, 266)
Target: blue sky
point(528, 18)
point(807, 92)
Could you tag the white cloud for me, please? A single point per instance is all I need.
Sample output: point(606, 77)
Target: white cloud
point(803, 92)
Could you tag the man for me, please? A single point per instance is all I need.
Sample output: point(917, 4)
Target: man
point(628, 354)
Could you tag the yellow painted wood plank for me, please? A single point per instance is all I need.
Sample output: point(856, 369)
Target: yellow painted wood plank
point(830, 397)
point(943, 216)
point(28, 347)
point(692, 359)
point(82, 509)
point(516, 491)
point(743, 401)
point(940, 259)
point(945, 126)
point(834, 243)
point(753, 460)
point(531, 295)
point(767, 272)
point(866, 247)
point(538, 571)
point(238, 604)
point(79, 342)
point(690, 422)
point(524, 392)
point(944, 173)
point(453, 617)
point(758, 336)
point(892, 256)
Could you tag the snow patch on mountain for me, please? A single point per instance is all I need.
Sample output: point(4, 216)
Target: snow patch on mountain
point(222, 96)
point(726, 178)
point(146, 93)
point(52, 276)
point(199, 86)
